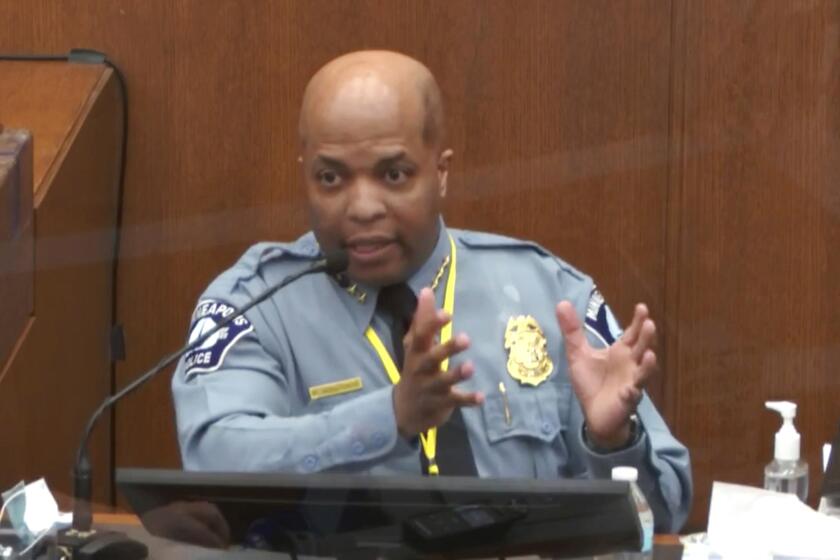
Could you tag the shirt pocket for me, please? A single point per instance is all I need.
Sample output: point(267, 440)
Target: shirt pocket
point(539, 413)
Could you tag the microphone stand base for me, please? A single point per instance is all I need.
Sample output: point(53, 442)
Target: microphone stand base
point(98, 545)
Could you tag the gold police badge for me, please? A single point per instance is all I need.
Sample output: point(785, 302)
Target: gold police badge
point(528, 360)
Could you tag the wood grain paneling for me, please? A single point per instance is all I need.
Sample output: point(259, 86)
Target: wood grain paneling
point(60, 370)
point(25, 98)
point(557, 114)
point(16, 249)
point(758, 227)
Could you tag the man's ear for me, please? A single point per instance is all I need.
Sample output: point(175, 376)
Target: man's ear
point(443, 170)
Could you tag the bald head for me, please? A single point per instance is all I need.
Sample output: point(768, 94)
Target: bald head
point(372, 156)
point(366, 87)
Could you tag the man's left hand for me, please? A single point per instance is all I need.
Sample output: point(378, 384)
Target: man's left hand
point(609, 381)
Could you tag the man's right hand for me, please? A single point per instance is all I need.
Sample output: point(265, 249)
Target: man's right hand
point(426, 396)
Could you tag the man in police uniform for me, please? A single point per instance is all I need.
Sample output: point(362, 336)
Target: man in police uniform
point(512, 364)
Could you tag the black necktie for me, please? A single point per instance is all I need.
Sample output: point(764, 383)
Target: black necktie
point(453, 452)
point(398, 303)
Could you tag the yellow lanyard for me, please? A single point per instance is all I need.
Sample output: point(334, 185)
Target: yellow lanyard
point(429, 439)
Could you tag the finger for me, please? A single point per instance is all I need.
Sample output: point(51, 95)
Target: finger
point(210, 515)
point(427, 321)
point(197, 533)
point(646, 369)
point(457, 398)
point(431, 361)
point(445, 380)
point(180, 526)
point(640, 313)
point(194, 532)
point(647, 336)
point(203, 511)
point(570, 325)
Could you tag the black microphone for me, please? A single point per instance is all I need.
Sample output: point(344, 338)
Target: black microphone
point(333, 263)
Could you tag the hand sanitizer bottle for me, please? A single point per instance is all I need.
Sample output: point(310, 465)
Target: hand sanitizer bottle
point(786, 472)
point(631, 475)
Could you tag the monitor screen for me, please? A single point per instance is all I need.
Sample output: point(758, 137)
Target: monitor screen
point(343, 514)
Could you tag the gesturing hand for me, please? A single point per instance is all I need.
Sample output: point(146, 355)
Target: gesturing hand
point(608, 382)
point(200, 523)
point(426, 396)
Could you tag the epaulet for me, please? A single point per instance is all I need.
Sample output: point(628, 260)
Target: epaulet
point(305, 247)
point(266, 253)
point(482, 240)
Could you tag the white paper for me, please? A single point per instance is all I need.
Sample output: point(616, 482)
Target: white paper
point(748, 523)
point(41, 508)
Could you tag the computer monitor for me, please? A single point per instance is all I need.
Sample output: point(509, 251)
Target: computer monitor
point(342, 515)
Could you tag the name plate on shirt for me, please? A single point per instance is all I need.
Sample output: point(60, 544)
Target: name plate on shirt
point(335, 388)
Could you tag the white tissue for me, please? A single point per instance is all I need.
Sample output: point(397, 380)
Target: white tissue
point(748, 523)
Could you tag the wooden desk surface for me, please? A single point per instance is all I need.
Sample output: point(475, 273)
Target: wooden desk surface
point(51, 113)
point(115, 519)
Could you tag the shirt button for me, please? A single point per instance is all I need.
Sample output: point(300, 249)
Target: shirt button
point(378, 440)
point(358, 448)
point(547, 428)
point(310, 463)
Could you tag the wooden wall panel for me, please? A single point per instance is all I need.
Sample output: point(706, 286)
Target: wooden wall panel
point(557, 112)
point(16, 248)
point(756, 234)
point(60, 369)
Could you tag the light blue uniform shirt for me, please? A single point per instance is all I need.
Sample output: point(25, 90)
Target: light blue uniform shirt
point(243, 398)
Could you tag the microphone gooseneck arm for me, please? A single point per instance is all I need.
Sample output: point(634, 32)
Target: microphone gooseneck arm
point(82, 481)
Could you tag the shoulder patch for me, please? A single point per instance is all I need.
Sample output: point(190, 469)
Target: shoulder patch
point(600, 320)
point(210, 354)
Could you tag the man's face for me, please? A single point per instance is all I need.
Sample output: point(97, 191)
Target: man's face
point(375, 189)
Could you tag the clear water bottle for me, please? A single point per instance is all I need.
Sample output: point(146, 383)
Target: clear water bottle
point(631, 475)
